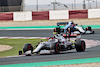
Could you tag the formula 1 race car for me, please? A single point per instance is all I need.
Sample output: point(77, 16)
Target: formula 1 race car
point(54, 44)
point(72, 29)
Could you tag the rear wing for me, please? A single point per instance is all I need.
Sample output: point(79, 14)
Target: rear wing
point(62, 23)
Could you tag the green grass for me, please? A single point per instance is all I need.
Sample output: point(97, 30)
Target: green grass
point(17, 45)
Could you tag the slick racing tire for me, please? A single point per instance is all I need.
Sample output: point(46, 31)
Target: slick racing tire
point(80, 46)
point(88, 28)
point(57, 48)
point(57, 30)
point(27, 47)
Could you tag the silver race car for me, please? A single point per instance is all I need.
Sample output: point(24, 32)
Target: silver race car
point(54, 44)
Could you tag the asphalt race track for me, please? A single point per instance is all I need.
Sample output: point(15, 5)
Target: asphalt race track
point(89, 53)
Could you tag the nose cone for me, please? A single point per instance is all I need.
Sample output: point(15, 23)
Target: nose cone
point(38, 48)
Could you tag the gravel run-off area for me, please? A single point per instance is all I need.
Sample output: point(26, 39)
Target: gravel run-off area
point(5, 47)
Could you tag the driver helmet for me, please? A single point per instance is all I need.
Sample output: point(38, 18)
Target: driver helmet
point(72, 22)
point(56, 36)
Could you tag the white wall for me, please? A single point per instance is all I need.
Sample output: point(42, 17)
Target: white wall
point(58, 14)
point(93, 13)
point(22, 16)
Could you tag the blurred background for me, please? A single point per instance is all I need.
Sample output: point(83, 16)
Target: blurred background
point(46, 5)
point(41, 5)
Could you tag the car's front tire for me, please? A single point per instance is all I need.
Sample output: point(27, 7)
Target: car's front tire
point(80, 46)
point(27, 47)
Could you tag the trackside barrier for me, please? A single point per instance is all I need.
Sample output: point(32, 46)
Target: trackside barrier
point(40, 15)
point(6, 16)
point(22, 16)
point(50, 15)
point(94, 13)
point(78, 14)
point(58, 14)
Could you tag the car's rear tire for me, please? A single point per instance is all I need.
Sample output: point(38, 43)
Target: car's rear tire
point(57, 29)
point(88, 28)
point(57, 48)
point(80, 46)
point(27, 47)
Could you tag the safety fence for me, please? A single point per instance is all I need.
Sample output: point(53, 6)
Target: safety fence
point(50, 15)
